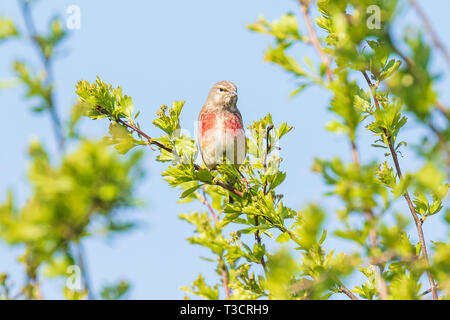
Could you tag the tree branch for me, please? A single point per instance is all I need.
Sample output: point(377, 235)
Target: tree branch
point(225, 280)
point(257, 233)
point(325, 60)
point(434, 36)
point(53, 110)
point(413, 68)
point(140, 132)
point(223, 268)
point(445, 111)
point(425, 292)
point(82, 264)
point(417, 221)
point(211, 210)
point(133, 127)
point(47, 64)
point(349, 294)
point(304, 4)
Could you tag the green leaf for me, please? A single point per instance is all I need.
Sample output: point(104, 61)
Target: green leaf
point(121, 138)
point(283, 237)
point(189, 191)
point(200, 288)
point(115, 292)
point(391, 67)
point(297, 91)
point(7, 29)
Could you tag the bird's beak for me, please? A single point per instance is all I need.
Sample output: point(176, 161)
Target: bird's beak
point(233, 93)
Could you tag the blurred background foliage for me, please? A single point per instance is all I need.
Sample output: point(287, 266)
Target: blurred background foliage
point(378, 86)
point(76, 194)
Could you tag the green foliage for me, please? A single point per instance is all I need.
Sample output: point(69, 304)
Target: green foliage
point(245, 268)
point(100, 94)
point(70, 294)
point(89, 185)
point(72, 195)
point(49, 42)
point(376, 89)
point(7, 29)
point(441, 267)
point(256, 209)
point(349, 103)
point(357, 186)
point(369, 289)
point(400, 87)
point(281, 280)
point(36, 87)
point(388, 120)
point(4, 286)
point(39, 85)
point(115, 292)
point(284, 30)
point(200, 288)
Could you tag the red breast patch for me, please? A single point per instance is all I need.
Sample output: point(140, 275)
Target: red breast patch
point(207, 122)
point(233, 121)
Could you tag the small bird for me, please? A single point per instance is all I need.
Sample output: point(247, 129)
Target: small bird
point(221, 134)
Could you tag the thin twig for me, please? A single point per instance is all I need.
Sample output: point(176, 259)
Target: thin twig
point(257, 233)
point(355, 153)
point(223, 268)
point(49, 80)
point(439, 106)
point(133, 127)
point(434, 36)
point(414, 70)
point(445, 111)
point(47, 64)
point(229, 188)
point(225, 280)
point(20, 293)
point(37, 287)
point(425, 292)
point(53, 110)
point(210, 208)
point(269, 128)
point(304, 4)
point(349, 294)
point(325, 60)
point(139, 131)
point(417, 221)
point(85, 276)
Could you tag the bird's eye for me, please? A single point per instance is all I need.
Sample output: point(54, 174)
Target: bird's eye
point(221, 90)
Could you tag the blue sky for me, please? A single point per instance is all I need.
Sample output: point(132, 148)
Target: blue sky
point(160, 52)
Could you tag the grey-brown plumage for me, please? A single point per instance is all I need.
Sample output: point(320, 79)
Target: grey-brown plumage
point(220, 127)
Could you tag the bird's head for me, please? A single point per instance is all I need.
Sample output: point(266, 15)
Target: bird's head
point(223, 94)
